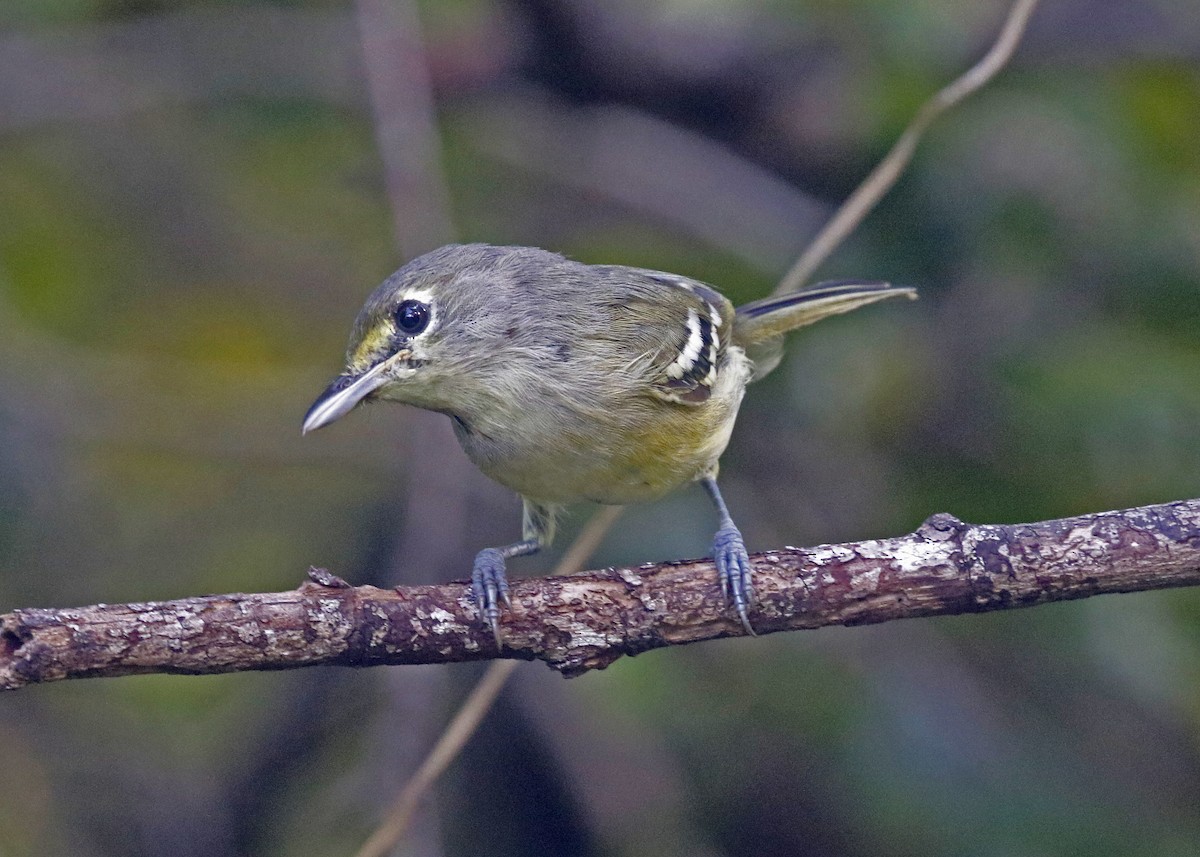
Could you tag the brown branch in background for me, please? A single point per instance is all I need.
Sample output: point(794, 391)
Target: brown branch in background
point(477, 704)
point(440, 484)
point(586, 621)
point(880, 181)
point(449, 744)
point(398, 83)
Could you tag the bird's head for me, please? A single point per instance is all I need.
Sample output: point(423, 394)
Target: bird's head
point(426, 336)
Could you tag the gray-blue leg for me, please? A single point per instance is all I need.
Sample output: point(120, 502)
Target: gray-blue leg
point(731, 558)
point(489, 583)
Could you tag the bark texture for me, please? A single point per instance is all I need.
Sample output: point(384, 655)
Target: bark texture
point(586, 621)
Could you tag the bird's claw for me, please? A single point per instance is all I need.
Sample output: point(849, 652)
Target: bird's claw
point(489, 586)
point(733, 567)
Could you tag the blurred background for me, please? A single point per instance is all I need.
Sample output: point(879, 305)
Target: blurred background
point(195, 197)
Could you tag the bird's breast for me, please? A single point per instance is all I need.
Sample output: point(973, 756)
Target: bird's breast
point(616, 450)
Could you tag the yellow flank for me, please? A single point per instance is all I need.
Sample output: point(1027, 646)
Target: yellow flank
point(677, 447)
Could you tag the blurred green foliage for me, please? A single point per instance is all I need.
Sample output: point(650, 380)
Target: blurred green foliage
point(192, 206)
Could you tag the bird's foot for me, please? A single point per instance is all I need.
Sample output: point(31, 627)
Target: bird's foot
point(733, 566)
point(489, 586)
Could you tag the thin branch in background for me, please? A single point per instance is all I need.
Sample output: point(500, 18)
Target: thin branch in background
point(881, 179)
point(476, 705)
point(409, 145)
point(405, 123)
point(455, 736)
point(440, 483)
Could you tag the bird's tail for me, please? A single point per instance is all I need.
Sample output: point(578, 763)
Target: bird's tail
point(759, 326)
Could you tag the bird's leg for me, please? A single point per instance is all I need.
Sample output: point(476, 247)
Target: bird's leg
point(489, 583)
point(731, 557)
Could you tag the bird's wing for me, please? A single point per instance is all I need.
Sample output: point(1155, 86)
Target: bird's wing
point(677, 329)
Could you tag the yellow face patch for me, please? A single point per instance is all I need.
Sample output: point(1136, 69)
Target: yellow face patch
point(374, 343)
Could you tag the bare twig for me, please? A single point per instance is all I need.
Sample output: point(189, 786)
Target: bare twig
point(409, 145)
point(880, 181)
point(586, 621)
point(477, 704)
point(402, 104)
point(456, 734)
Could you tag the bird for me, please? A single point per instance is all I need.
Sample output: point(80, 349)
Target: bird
point(570, 382)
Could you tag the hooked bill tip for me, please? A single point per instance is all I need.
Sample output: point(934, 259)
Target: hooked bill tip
point(341, 397)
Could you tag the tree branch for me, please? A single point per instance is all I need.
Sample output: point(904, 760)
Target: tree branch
point(586, 621)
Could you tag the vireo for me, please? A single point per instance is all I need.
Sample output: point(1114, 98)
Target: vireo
point(569, 382)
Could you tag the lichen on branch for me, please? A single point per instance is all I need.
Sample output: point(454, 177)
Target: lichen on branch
point(585, 621)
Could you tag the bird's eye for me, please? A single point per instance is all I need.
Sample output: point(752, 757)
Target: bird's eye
point(412, 317)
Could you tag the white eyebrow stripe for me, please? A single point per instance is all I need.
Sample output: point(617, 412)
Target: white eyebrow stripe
point(425, 296)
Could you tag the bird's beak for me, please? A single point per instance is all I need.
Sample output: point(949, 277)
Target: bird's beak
point(342, 395)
